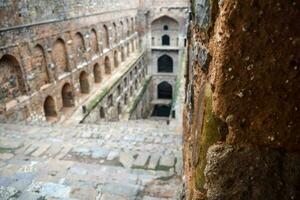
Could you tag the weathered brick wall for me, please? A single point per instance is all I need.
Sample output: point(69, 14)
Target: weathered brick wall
point(14, 13)
point(12, 84)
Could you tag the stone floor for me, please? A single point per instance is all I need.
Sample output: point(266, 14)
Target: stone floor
point(115, 161)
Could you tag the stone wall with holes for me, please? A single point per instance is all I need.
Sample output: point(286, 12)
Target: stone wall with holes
point(242, 105)
point(39, 56)
point(114, 102)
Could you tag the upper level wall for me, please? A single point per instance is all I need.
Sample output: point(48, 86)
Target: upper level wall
point(16, 13)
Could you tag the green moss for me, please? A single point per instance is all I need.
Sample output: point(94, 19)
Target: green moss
point(93, 103)
point(6, 150)
point(209, 135)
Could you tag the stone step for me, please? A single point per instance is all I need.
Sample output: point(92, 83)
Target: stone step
point(41, 150)
point(141, 160)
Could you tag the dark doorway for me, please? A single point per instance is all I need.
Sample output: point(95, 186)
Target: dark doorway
point(119, 109)
point(166, 40)
point(102, 113)
point(107, 65)
point(106, 37)
point(116, 59)
point(165, 64)
point(164, 90)
point(84, 83)
point(67, 96)
point(97, 73)
point(49, 108)
point(161, 111)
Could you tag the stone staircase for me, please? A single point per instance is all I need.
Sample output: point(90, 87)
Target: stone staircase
point(118, 160)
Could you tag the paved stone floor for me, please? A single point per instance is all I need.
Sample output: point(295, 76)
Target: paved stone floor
point(112, 161)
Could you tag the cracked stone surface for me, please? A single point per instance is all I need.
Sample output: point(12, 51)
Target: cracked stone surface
point(134, 160)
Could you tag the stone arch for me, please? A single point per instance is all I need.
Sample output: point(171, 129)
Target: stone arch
point(165, 40)
point(107, 65)
point(39, 67)
point(119, 108)
point(97, 73)
point(131, 91)
point(122, 54)
point(84, 83)
point(165, 64)
point(161, 111)
point(135, 84)
point(67, 95)
point(122, 29)
point(131, 75)
point(164, 90)
point(167, 21)
point(116, 59)
point(125, 82)
point(132, 25)
point(125, 99)
point(105, 37)
point(59, 57)
point(128, 27)
point(50, 108)
point(79, 44)
point(102, 113)
point(128, 49)
point(132, 46)
point(115, 33)
point(11, 79)
point(135, 70)
point(94, 41)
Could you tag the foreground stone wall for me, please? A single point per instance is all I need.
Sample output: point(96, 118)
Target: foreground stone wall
point(242, 114)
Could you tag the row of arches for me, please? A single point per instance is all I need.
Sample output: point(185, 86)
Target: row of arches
point(123, 92)
point(68, 97)
point(60, 52)
point(12, 76)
